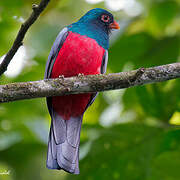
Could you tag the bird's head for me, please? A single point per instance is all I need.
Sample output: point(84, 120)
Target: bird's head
point(100, 18)
point(96, 24)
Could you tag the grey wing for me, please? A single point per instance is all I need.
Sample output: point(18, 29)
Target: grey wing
point(54, 52)
point(103, 71)
point(104, 63)
point(52, 58)
point(64, 136)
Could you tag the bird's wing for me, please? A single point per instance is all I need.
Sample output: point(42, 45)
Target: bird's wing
point(64, 136)
point(104, 63)
point(52, 58)
point(103, 71)
point(54, 52)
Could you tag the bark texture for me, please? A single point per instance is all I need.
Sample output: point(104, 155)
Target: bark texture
point(91, 83)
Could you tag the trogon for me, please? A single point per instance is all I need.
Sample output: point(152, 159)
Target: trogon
point(80, 48)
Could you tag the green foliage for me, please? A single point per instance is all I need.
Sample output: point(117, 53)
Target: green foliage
point(142, 153)
point(126, 134)
point(161, 15)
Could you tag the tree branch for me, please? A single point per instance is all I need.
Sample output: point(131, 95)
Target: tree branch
point(85, 84)
point(37, 9)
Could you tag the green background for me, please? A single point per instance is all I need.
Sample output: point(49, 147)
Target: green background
point(129, 134)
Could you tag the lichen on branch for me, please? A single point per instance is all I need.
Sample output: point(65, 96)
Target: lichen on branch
point(91, 83)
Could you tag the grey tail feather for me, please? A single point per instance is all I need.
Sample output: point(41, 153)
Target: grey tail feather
point(63, 145)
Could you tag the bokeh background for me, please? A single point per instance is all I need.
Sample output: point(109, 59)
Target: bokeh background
point(129, 134)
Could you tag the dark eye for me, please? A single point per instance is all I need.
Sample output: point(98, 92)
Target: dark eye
point(105, 18)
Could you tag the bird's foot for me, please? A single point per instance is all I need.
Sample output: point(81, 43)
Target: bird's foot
point(80, 75)
point(140, 72)
point(61, 77)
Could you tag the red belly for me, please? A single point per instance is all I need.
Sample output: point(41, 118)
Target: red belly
point(79, 54)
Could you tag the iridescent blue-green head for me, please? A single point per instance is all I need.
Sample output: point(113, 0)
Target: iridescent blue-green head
point(97, 24)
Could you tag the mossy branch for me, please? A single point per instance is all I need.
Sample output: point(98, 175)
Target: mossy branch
point(91, 83)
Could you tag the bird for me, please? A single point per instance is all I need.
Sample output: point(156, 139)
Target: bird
point(80, 48)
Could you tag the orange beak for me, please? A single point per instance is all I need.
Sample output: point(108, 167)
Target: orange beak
point(114, 25)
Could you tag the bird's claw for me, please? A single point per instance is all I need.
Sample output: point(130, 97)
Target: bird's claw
point(61, 77)
point(141, 70)
point(80, 75)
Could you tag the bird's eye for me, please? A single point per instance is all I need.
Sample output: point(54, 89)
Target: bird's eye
point(105, 18)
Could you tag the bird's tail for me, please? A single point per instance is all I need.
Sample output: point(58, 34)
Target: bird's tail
point(63, 145)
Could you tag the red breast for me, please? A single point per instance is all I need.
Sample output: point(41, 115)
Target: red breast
point(79, 54)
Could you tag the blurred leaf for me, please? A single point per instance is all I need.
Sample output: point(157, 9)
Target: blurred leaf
point(129, 48)
point(132, 152)
point(143, 51)
point(175, 119)
point(157, 21)
point(9, 139)
point(154, 100)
